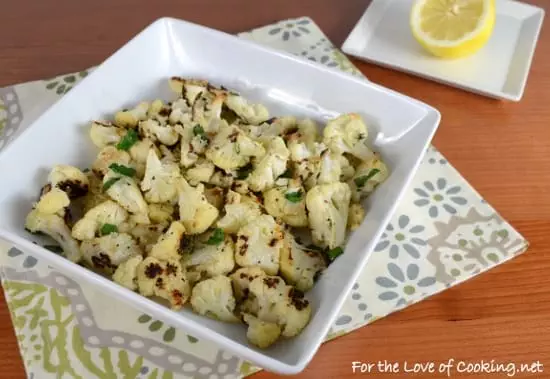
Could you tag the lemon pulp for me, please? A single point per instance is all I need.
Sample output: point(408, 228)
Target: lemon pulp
point(452, 28)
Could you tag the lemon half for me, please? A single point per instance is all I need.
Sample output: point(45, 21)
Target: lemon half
point(452, 28)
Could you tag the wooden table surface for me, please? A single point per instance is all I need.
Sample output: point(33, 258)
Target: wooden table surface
point(502, 148)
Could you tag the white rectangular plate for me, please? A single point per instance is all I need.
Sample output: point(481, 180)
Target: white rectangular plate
point(401, 129)
point(498, 70)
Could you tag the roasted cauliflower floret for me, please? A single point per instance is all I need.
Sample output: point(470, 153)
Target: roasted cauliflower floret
point(159, 182)
point(302, 140)
point(270, 166)
point(368, 176)
point(139, 153)
point(252, 113)
point(165, 279)
point(328, 206)
point(125, 191)
point(323, 169)
point(168, 245)
point(293, 313)
point(214, 298)
point(242, 278)
point(95, 195)
point(274, 127)
point(215, 196)
point(107, 212)
point(231, 148)
point(300, 266)
point(201, 172)
point(347, 134)
point(107, 156)
point(221, 179)
point(287, 201)
point(306, 170)
point(280, 304)
point(300, 150)
point(158, 111)
point(261, 333)
point(207, 109)
point(189, 89)
point(215, 256)
point(196, 213)
point(104, 133)
point(146, 236)
point(347, 169)
point(180, 113)
point(69, 179)
point(259, 243)
point(355, 216)
point(161, 213)
point(194, 142)
point(308, 130)
point(54, 201)
point(156, 131)
point(107, 252)
point(54, 226)
point(330, 168)
point(130, 118)
point(239, 211)
point(126, 272)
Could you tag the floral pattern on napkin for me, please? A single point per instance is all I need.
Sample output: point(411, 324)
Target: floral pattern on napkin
point(442, 233)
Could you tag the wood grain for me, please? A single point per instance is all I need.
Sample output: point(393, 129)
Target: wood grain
point(502, 148)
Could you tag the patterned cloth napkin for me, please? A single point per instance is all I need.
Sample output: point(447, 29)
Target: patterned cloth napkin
point(442, 234)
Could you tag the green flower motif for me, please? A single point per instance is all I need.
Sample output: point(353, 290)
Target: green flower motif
point(288, 28)
point(247, 369)
point(344, 63)
point(155, 325)
point(62, 84)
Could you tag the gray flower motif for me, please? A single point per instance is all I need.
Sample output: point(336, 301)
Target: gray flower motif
point(441, 161)
point(294, 28)
point(439, 197)
point(402, 285)
point(323, 59)
point(361, 306)
point(401, 237)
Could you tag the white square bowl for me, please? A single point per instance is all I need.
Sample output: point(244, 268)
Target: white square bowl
point(401, 129)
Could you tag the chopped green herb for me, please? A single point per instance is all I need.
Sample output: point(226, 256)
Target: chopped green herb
point(294, 197)
point(122, 170)
point(334, 253)
point(287, 174)
point(108, 229)
point(216, 238)
point(362, 180)
point(198, 130)
point(108, 184)
point(129, 139)
point(244, 171)
point(54, 248)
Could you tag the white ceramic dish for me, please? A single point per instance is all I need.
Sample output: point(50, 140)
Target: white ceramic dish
point(498, 70)
point(402, 128)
